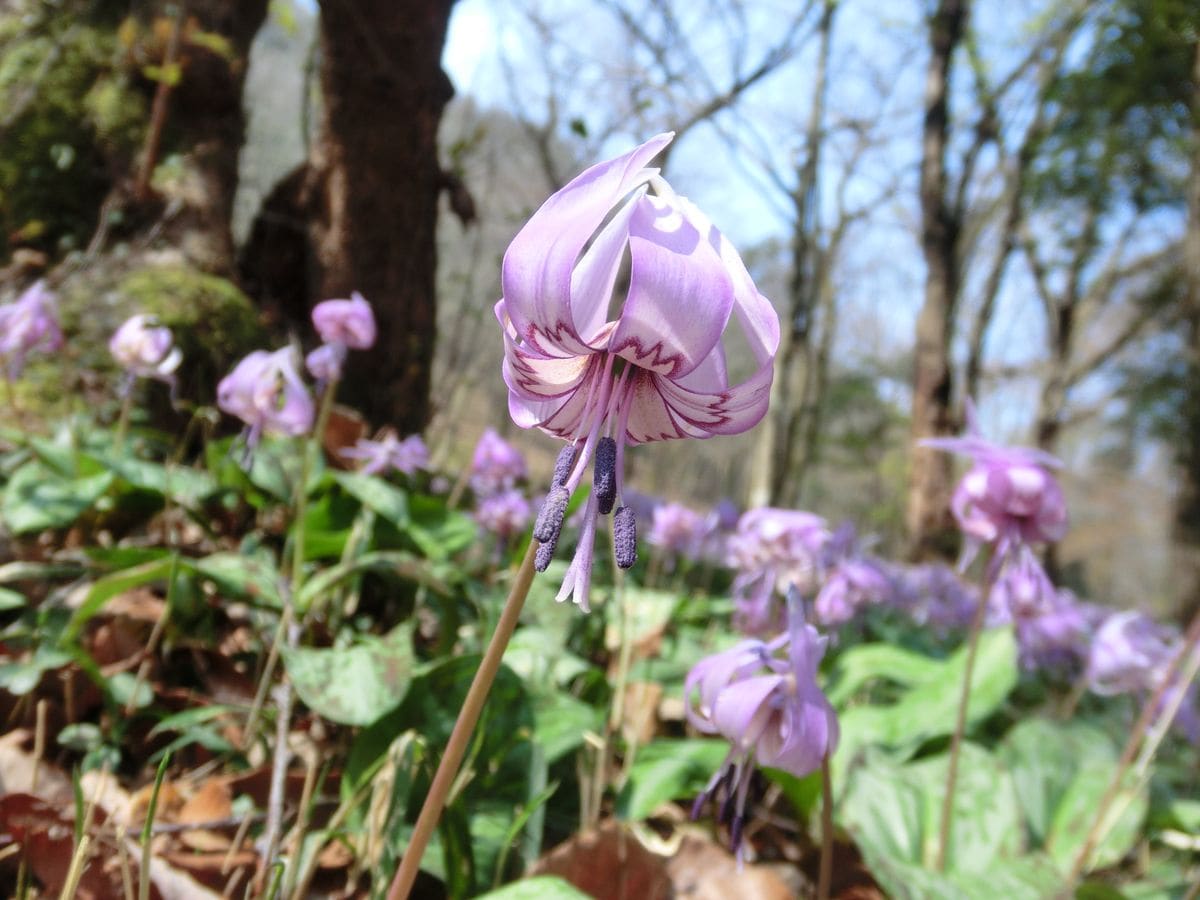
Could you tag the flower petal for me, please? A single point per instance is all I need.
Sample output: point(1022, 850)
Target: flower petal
point(680, 294)
point(537, 271)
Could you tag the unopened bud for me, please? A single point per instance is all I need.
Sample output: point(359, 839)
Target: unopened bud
point(563, 464)
point(550, 519)
point(604, 475)
point(624, 537)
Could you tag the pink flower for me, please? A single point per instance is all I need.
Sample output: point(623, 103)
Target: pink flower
point(1008, 498)
point(1130, 652)
point(145, 349)
point(325, 363)
point(657, 371)
point(496, 464)
point(28, 324)
point(264, 390)
point(350, 323)
point(504, 514)
point(773, 550)
point(678, 531)
point(771, 711)
point(389, 452)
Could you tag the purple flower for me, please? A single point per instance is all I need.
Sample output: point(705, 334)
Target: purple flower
point(1008, 497)
point(678, 531)
point(347, 322)
point(496, 465)
point(852, 583)
point(655, 372)
point(504, 514)
point(773, 550)
point(325, 363)
point(145, 349)
point(264, 390)
point(28, 324)
point(770, 710)
point(1129, 653)
point(389, 452)
point(936, 596)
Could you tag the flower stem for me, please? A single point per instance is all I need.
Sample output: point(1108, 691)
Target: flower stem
point(825, 875)
point(960, 727)
point(468, 717)
point(123, 419)
point(1130, 751)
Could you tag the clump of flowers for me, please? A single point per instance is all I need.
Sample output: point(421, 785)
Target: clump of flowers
point(389, 453)
point(342, 325)
point(505, 514)
point(28, 325)
point(496, 465)
point(266, 392)
point(763, 698)
point(678, 531)
point(1130, 652)
point(773, 550)
point(654, 372)
point(145, 349)
point(852, 580)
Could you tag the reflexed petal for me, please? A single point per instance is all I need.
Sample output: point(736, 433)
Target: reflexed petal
point(680, 294)
point(595, 276)
point(744, 709)
point(730, 411)
point(537, 271)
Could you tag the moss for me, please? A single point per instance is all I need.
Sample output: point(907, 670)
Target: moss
point(76, 117)
point(214, 323)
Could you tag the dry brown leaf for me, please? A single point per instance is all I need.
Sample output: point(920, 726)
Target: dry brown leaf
point(211, 803)
point(703, 870)
point(640, 722)
point(608, 863)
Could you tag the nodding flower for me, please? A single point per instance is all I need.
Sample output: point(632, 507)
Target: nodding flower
point(145, 349)
point(343, 325)
point(768, 707)
point(265, 391)
point(29, 324)
point(1008, 498)
point(602, 366)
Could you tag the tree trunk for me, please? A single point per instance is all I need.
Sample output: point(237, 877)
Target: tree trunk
point(929, 485)
point(1187, 510)
point(780, 461)
point(376, 173)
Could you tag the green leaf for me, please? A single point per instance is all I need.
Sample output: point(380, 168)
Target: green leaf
point(543, 887)
point(356, 685)
point(104, 589)
point(35, 498)
point(1076, 811)
point(185, 486)
point(1043, 757)
point(126, 689)
point(561, 721)
point(868, 662)
point(81, 737)
point(10, 600)
point(20, 678)
point(668, 770)
point(396, 562)
point(438, 532)
point(985, 822)
point(247, 577)
point(189, 718)
point(883, 809)
point(375, 494)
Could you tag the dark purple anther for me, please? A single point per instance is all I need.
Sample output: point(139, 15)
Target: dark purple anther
point(563, 464)
point(604, 475)
point(550, 519)
point(545, 553)
point(625, 537)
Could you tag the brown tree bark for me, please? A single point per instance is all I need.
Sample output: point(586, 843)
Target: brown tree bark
point(376, 180)
point(1187, 509)
point(930, 472)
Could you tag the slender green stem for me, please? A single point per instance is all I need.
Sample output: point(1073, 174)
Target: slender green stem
point(624, 660)
point(960, 727)
point(825, 875)
point(1101, 820)
point(123, 419)
point(460, 737)
point(148, 828)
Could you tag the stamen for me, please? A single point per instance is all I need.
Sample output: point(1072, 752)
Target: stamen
point(550, 519)
point(604, 475)
point(624, 529)
point(544, 555)
point(563, 464)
